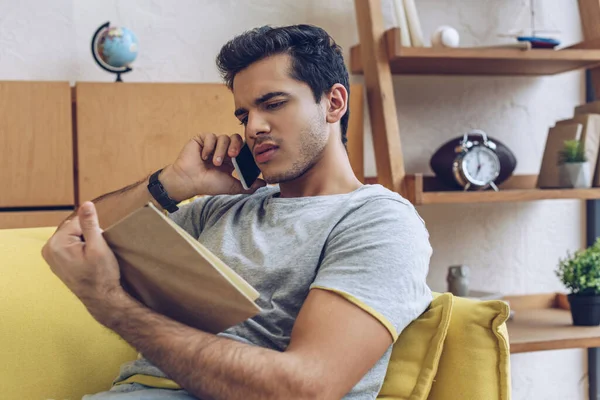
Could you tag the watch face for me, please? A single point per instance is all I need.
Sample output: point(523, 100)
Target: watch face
point(480, 166)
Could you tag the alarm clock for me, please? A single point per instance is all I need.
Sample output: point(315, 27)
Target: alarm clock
point(476, 165)
point(473, 161)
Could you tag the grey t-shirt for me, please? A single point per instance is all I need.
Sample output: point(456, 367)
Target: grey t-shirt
point(370, 246)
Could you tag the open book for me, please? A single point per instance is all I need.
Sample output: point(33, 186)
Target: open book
point(170, 272)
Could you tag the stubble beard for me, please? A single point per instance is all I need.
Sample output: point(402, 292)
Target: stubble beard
point(314, 140)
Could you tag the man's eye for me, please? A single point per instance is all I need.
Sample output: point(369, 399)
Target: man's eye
point(274, 106)
point(244, 121)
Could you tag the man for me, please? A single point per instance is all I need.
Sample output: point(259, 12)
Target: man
point(340, 266)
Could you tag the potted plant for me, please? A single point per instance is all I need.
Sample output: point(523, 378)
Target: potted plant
point(574, 168)
point(580, 273)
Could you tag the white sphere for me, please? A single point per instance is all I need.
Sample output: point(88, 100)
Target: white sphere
point(445, 36)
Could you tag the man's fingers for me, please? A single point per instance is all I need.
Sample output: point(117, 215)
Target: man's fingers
point(88, 218)
point(210, 140)
point(235, 146)
point(220, 149)
point(66, 236)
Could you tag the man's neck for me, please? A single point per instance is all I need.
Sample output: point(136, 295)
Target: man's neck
point(332, 174)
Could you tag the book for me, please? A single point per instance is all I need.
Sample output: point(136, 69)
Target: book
point(414, 24)
point(557, 135)
point(172, 273)
point(402, 23)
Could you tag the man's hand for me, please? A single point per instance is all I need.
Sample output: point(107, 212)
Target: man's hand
point(78, 254)
point(204, 167)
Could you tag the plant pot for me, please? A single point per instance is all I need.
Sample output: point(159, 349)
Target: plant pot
point(575, 175)
point(585, 310)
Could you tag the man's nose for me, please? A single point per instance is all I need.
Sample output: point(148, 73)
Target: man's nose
point(256, 125)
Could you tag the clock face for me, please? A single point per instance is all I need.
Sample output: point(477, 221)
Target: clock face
point(481, 165)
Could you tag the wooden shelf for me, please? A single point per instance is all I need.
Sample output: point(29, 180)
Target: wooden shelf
point(543, 322)
point(427, 190)
point(478, 61)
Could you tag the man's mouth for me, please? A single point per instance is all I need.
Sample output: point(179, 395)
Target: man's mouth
point(264, 152)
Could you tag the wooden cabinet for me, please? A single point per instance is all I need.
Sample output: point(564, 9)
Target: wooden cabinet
point(126, 131)
point(36, 144)
point(60, 146)
point(31, 219)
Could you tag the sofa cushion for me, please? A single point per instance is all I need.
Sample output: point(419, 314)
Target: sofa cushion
point(416, 353)
point(51, 347)
point(475, 361)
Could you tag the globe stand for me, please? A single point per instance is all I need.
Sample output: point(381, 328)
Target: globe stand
point(119, 75)
point(102, 64)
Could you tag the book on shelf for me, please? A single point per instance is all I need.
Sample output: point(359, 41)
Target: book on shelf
point(169, 271)
point(414, 23)
point(407, 18)
point(402, 23)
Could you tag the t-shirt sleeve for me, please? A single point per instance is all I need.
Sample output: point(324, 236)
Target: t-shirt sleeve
point(190, 215)
point(377, 257)
point(196, 214)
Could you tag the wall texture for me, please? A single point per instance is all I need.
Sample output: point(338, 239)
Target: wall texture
point(511, 248)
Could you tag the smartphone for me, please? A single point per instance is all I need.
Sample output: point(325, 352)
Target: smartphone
point(245, 166)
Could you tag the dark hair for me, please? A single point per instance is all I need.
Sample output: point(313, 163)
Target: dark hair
point(316, 59)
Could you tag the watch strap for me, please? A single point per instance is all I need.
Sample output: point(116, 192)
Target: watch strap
point(159, 193)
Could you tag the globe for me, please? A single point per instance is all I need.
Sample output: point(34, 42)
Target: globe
point(114, 48)
point(118, 47)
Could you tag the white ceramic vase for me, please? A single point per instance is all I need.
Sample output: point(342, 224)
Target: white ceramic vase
point(575, 175)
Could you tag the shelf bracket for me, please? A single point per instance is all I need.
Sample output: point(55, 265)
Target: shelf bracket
point(380, 95)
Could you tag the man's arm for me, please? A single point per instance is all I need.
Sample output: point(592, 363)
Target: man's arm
point(202, 167)
point(333, 345)
point(113, 206)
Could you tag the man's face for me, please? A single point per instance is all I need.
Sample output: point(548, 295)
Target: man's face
point(284, 127)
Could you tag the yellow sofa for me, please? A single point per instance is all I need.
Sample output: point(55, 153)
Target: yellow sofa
point(51, 348)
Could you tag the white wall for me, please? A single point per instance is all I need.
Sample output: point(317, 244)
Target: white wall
point(512, 248)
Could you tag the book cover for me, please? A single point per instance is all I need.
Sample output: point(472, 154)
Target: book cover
point(172, 273)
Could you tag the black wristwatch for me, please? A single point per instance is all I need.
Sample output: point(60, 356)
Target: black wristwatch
point(159, 193)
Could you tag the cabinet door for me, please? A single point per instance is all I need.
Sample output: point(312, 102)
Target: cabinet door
point(36, 144)
point(31, 219)
point(126, 131)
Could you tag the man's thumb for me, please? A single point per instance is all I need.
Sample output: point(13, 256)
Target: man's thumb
point(88, 218)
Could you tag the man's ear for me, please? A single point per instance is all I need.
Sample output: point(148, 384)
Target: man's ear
point(337, 101)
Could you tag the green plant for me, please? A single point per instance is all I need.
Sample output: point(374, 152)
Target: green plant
point(573, 152)
point(580, 271)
